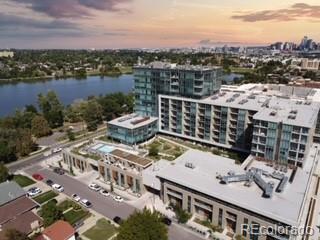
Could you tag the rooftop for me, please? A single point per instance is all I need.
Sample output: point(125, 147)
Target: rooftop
point(254, 97)
point(60, 230)
point(201, 171)
point(10, 191)
point(167, 65)
point(132, 121)
point(144, 162)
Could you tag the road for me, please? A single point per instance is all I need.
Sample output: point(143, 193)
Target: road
point(103, 205)
point(28, 161)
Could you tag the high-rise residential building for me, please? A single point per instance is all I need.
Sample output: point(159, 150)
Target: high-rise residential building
point(164, 78)
point(272, 122)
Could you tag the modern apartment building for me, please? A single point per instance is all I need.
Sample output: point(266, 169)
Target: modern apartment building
point(164, 78)
point(132, 129)
point(215, 189)
point(273, 124)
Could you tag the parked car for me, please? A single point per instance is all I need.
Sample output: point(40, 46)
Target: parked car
point(118, 198)
point(56, 150)
point(49, 182)
point(75, 197)
point(86, 203)
point(94, 187)
point(37, 176)
point(166, 221)
point(118, 220)
point(33, 191)
point(59, 171)
point(104, 192)
point(58, 187)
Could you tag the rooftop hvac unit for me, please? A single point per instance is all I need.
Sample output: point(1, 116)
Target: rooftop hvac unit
point(189, 165)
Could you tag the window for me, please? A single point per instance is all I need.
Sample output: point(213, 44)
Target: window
point(220, 217)
point(245, 227)
point(255, 229)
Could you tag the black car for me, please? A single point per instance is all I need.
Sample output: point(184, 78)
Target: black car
point(49, 182)
point(166, 221)
point(118, 220)
point(59, 171)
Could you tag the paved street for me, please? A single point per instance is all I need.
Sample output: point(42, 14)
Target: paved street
point(103, 205)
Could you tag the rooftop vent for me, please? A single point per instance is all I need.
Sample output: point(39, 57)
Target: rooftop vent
point(293, 112)
point(243, 101)
point(215, 97)
point(292, 117)
point(230, 99)
point(273, 113)
point(189, 165)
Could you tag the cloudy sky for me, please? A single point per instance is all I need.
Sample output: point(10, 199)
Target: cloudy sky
point(154, 23)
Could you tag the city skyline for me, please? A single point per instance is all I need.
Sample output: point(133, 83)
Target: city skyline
point(142, 23)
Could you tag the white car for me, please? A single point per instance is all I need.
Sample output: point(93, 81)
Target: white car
point(94, 187)
point(104, 192)
point(56, 150)
point(86, 203)
point(75, 197)
point(34, 191)
point(58, 187)
point(118, 198)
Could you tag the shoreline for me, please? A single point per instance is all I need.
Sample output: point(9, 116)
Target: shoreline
point(49, 78)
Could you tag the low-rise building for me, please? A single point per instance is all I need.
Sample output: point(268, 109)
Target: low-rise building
point(124, 170)
point(231, 196)
point(310, 64)
point(132, 129)
point(6, 54)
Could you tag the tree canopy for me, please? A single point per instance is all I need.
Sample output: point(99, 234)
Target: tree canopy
point(4, 173)
point(143, 225)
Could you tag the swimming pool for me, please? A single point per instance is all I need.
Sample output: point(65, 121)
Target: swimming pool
point(106, 149)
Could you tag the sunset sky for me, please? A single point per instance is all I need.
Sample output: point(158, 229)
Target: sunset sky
point(149, 23)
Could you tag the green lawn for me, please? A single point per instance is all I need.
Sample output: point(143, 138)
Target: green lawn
point(102, 228)
point(74, 216)
point(23, 181)
point(67, 204)
point(45, 197)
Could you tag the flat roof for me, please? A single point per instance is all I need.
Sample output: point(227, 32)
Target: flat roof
point(284, 207)
point(172, 66)
point(144, 162)
point(132, 121)
point(249, 98)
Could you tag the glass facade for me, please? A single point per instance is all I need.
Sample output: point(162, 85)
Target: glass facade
point(181, 81)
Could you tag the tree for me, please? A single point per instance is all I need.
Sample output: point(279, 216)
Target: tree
point(70, 135)
point(40, 127)
point(13, 234)
point(143, 225)
point(182, 215)
point(154, 150)
point(52, 109)
point(50, 213)
point(4, 173)
point(92, 114)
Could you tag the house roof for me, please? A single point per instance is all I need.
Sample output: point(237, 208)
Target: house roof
point(15, 208)
point(60, 230)
point(10, 191)
point(23, 223)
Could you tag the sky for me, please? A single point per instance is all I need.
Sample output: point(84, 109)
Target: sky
point(155, 23)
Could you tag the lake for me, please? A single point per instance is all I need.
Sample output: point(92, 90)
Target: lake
point(17, 95)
